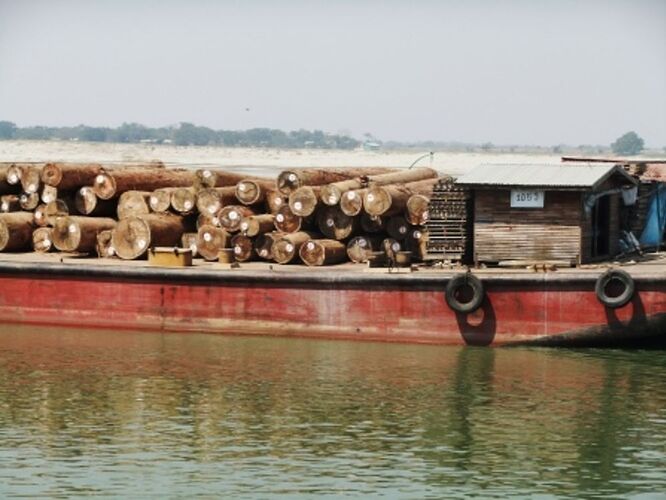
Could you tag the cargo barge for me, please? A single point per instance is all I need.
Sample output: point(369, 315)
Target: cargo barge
point(505, 255)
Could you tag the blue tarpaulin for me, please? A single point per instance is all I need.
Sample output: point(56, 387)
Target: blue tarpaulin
point(653, 233)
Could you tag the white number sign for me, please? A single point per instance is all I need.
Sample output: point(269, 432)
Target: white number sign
point(521, 198)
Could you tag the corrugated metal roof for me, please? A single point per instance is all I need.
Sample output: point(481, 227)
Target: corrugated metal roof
point(552, 175)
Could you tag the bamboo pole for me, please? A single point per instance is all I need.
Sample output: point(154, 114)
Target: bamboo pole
point(335, 224)
point(72, 233)
point(243, 247)
point(231, 216)
point(290, 180)
point(210, 240)
point(263, 244)
point(133, 236)
point(257, 224)
point(286, 248)
point(332, 193)
point(211, 200)
point(133, 203)
point(104, 244)
point(15, 231)
point(323, 252)
point(87, 203)
point(70, 176)
point(42, 240)
point(392, 199)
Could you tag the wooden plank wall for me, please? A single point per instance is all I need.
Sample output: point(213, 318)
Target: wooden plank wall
point(505, 233)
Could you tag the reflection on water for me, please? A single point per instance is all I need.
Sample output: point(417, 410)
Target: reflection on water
point(148, 414)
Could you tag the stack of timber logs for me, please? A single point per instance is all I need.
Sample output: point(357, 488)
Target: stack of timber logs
point(312, 216)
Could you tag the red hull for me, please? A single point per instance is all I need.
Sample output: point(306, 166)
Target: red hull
point(397, 308)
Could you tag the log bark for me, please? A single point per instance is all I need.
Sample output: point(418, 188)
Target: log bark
point(243, 247)
point(189, 240)
point(256, 224)
point(211, 200)
point(15, 231)
point(113, 182)
point(398, 227)
point(70, 176)
point(392, 199)
point(332, 193)
point(335, 224)
point(416, 210)
point(231, 216)
point(263, 244)
point(210, 240)
point(290, 180)
point(104, 245)
point(208, 177)
point(9, 203)
point(184, 200)
point(133, 236)
point(304, 200)
point(72, 233)
point(133, 203)
point(360, 248)
point(286, 221)
point(250, 192)
point(351, 202)
point(286, 248)
point(323, 252)
point(42, 239)
point(87, 203)
point(29, 201)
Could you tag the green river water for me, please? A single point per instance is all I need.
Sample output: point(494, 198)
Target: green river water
point(141, 415)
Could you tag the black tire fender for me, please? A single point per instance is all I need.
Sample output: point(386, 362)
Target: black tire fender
point(458, 281)
point(615, 275)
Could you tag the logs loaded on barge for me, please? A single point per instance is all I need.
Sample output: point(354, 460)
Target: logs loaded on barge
point(349, 253)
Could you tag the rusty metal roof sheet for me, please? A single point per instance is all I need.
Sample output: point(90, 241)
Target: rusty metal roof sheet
point(543, 175)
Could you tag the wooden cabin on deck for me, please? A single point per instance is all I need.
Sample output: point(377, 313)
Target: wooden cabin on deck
point(564, 213)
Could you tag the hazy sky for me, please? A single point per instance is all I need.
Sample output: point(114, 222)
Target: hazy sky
point(509, 72)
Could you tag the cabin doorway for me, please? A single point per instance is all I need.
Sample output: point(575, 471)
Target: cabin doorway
point(601, 227)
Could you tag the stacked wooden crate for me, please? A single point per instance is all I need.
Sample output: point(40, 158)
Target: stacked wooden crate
point(449, 222)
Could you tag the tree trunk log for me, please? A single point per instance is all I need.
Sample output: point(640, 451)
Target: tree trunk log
point(391, 247)
point(290, 180)
point(87, 203)
point(287, 247)
point(30, 180)
point(211, 200)
point(104, 245)
point(304, 200)
point(257, 224)
point(79, 233)
point(263, 244)
point(42, 239)
point(416, 242)
point(416, 210)
point(210, 240)
point(48, 194)
point(286, 221)
point(13, 174)
point(275, 201)
point(243, 247)
point(398, 227)
point(9, 203)
point(133, 203)
point(250, 192)
point(15, 231)
point(332, 193)
point(335, 224)
point(360, 248)
point(46, 213)
point(133, 236)
point(207, 220)
point(184, 200)
point(373, 223)
point(29, 201)
point(231, 216)
point(351, 202)
point(160, 200)
point(113, 182)
point(70, 176)
point(392, 199)
point(208, 178)
point(5, 186)
point(323, 252)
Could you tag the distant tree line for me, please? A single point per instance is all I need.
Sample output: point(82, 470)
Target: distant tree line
point(184, 134)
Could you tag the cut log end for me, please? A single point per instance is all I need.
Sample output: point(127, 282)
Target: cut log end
point(303, 201)
point(66, 234)
point(417, 209)
point(232, 215)
point(249, 192)
point(334, 223)
point(42, 239)
point(351, 202)
point(210, 240)
point(286, 221)
point(263, 244)
point(322, 252)
point(131, 238)
point(360, 248)
point(160, 200)
point(133, 203)
point(85, 200)
point(49, 194)
point(287, 182)
point(330, 194)
point(104, 186)
point(243, 248)
point(29, 201)
point(377, 200)
point(183, 200)
point(104, 245)
point(51, 174)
